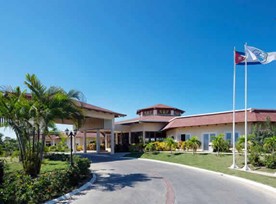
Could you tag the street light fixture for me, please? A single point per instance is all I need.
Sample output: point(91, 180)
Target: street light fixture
point(71, 134)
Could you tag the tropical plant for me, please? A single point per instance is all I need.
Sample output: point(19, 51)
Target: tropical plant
point(261, 131)
point(170, 143)
point(31, 116)
point(270, 144)
point(193, 143)
point(219, 143)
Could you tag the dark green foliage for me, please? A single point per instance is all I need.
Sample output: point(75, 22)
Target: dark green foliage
point(220, 144)
point(136, 147)
point(150, 147)
point(261, 131)
point(270, 161)
point(83, 165)
point(1, 171)
point(21, 188)
point(57, 157)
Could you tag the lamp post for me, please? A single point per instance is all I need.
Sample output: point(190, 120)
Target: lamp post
point(71, 134)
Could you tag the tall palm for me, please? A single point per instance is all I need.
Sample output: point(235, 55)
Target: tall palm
point(50, 104)
point(14, 114)
point(31, 115)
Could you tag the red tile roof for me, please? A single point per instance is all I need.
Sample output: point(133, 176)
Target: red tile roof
point(159, 106)
point(151, 118)
point(91, 107)
point(254, 115)
point(99, 109)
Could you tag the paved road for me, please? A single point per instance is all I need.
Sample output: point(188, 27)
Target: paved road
point(122, 181)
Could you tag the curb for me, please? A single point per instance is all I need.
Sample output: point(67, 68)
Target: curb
point(74, 192)
point(266, 187)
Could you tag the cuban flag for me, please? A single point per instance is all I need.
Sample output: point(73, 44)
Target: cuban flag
point(256, 55)
point(241, 56)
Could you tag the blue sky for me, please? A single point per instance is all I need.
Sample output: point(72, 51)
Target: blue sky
point(129, 54)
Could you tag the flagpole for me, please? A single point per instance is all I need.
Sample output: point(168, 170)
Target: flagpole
point(234, 166)
point(245, 168)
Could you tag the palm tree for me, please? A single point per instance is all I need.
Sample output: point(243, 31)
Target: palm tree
point(170, 143)
point(30, 116)
point(219, 143)
point(193, 143)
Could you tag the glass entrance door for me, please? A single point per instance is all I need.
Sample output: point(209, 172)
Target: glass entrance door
point(205, 141)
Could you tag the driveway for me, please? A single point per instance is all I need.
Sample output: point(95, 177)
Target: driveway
point(139, 181)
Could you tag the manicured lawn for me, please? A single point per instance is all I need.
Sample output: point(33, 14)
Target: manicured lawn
point(47, 165)
point(211, 162)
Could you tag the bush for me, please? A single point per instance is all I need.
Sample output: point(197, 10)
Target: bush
point(136, 147)
point(150, 147)
point(79, 148)
point(52, 148)
point(21, 188)
point(255, 155)
point(83, 164)
point(57, 157)
point(1, 171)
point(91, 146)
point(270, 161)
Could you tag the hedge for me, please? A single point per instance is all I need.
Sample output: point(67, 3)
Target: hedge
point(20, 188)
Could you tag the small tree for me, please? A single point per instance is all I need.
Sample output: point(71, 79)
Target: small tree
point(219, 144)
point(193, 143)
point(170, 143)
point(270, 144)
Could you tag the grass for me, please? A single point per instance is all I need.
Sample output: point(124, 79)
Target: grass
point(47, 165)
point(210, 162)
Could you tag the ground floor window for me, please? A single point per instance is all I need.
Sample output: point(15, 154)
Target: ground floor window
point(185, 137)
point(48, 143)
point(207, 138)
point(228, 137)
point(154, 136)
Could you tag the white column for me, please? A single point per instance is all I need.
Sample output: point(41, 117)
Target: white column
point(105, 141)
point(112, 137)
point(129, 137)
point(54, 142)
point(98, 142)
point(84, 142)
point(144, 137)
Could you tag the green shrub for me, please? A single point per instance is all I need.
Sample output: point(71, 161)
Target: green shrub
point(57, 157)
point(1, 171)
point(21, 188)
point(270, 161)
point(150, 147)
point(136, 147)
point(255, 155)
point(83, 164)
point(52, 148)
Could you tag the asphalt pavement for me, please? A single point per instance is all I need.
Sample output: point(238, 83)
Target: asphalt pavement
point(132, 181)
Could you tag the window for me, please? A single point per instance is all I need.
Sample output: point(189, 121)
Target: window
point(163, 112)
point(185, 137)
point(228, 137)
point(212, 135)
point(149, 112)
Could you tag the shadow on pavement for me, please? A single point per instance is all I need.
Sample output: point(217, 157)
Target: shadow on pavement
point(113, 181)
